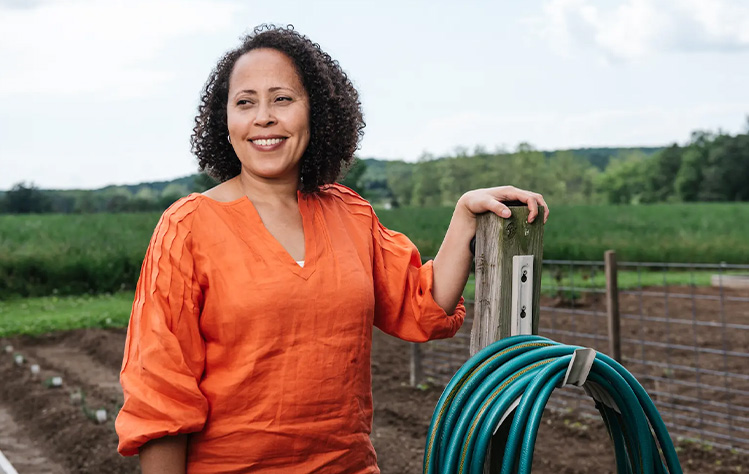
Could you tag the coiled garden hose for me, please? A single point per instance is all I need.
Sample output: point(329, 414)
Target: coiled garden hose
point(529, 368)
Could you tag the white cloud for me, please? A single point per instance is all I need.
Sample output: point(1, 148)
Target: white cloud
point(72, 48)
point(633, 29)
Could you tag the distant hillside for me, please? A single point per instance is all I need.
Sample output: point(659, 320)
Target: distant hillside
point(600, 157)
point(159, 186)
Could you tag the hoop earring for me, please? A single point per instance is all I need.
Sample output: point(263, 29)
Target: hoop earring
point(228, 138)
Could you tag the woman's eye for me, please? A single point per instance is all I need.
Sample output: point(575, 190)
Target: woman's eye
point(243, 102)
point(281, 99)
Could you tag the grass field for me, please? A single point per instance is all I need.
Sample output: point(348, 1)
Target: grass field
point(72, 254)
point(707, 233)
point(54, 313)
point(102, 253)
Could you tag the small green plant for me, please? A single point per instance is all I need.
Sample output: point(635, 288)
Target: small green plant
point(97, 415)
point(52, 382)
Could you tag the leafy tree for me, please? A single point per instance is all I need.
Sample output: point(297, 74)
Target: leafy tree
point(425, 192)
point(661, 170)
point(202, 182)
point(374, 182)
point(26, 199)
point(688, 180)
point(727, 170)
point(399, 177)
point(455, 178)
point(171, 193)
point(353, 178)
point(85, 203)
point(573, 176)
point(61, 202)
point(623, 181)
point(530, 170)
point(115, 199)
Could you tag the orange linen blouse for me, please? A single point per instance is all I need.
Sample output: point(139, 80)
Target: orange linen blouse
point(265, 363)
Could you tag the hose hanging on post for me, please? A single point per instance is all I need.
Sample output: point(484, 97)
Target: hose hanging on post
point(525, 370)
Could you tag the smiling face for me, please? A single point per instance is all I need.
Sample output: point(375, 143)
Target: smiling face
point(268, 115)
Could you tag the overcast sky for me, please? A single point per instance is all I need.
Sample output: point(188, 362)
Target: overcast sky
point(104, 92)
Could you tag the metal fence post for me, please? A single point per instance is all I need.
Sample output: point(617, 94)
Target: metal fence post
point(612, 306)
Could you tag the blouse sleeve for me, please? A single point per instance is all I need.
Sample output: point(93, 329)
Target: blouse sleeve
point(404, 306)
point(164, 352)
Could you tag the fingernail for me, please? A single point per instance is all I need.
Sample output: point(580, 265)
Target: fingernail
point(506, 213)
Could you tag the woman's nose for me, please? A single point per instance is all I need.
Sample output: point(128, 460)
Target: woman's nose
point(264, 115)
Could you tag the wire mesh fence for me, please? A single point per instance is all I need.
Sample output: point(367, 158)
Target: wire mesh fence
point(684, 332)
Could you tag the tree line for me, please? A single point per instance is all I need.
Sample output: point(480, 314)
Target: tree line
point(709, 167)
point(26, 198)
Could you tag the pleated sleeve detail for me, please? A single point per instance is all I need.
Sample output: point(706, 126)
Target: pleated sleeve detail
point(164, 351)
point(404, 305)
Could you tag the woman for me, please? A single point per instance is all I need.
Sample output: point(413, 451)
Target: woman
point(252, 323)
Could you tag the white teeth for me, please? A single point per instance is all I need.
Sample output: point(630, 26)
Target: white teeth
point(268, 141)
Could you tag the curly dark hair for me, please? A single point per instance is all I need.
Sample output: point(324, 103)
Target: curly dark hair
point(336, 120)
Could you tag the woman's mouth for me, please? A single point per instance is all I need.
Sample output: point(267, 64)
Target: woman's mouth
point(267, 144)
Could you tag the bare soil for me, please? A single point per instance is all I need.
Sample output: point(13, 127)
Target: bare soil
point(52, 430)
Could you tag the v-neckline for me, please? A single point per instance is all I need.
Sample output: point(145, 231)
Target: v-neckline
point(272, 244)
point(283, 255)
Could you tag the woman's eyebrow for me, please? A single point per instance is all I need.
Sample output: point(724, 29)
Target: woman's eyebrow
point(272, 89)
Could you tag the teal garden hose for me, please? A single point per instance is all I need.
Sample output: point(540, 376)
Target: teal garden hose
point(528, 369)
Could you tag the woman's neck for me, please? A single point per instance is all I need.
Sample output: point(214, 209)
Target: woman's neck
point(269, 191)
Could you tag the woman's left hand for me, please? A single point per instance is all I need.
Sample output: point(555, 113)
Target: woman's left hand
point(453, 261)
point(484, 200)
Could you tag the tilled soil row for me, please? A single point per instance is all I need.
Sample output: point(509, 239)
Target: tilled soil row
point(61, 438)
point(61, 423)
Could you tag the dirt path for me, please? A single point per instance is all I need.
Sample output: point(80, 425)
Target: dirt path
point(19, 449)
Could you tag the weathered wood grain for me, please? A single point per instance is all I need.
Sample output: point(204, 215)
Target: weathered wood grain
point(497, 241)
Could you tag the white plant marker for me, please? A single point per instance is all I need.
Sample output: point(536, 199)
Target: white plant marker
point(35, 369)
point(101, 415)
point(19, 359)
point(56, 381)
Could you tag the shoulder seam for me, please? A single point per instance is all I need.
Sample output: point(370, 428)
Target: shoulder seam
point(183, 208)
point(346, 194)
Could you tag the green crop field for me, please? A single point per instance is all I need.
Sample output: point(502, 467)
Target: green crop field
point(99, 253)
point(72, 254)
point(688, 233)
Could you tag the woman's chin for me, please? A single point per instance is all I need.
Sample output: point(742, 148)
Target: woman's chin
point(275, 174)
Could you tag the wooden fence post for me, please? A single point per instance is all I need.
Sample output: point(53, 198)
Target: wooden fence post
point(417, 373)
point(612, 306)
point(497, 241)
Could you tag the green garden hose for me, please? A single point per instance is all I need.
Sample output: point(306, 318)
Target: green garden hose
point(529, 368)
